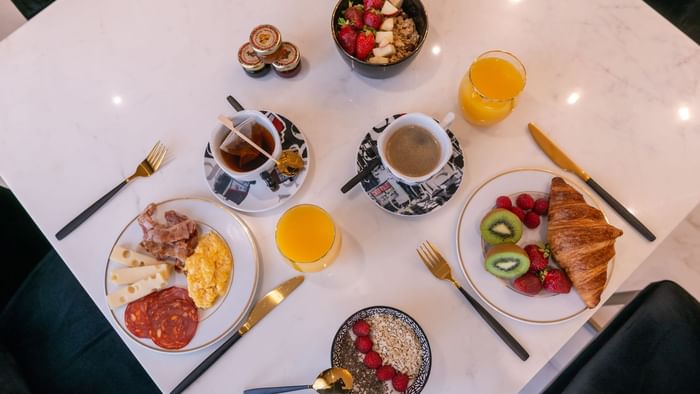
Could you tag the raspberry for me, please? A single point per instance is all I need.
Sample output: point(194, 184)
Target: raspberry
point(385, 372)
point(372, 360)
point(532, 220)
point(528, 284)
point(361, 328)
point(541, 206)
point(525, 201)
point(518, 212)
point(363, 344)
point(503, 202)
point(556, 281)
point(400, 382)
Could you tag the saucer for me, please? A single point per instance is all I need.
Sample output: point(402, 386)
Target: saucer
point(400, 198)
point(255, 195)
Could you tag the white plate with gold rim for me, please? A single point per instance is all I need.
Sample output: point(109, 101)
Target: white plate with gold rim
point(495, 291)
point(229, 311)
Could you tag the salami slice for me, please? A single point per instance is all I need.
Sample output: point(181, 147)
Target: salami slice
point(136, 316)
point(173, 323)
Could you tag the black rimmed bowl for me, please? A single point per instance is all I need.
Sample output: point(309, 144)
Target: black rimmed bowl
point(419, 381)
point(413, 8)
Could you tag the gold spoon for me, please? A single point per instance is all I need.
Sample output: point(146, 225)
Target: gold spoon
point(290, 161)
point(330, 381)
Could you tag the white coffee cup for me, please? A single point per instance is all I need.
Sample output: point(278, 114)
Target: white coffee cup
point(219, 135)
point(428, 123)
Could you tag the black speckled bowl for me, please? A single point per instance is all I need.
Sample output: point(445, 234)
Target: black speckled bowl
point(414, 9)
point(419, 382)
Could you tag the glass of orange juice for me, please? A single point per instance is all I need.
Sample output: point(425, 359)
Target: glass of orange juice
point(307, 238)
point(488, 91)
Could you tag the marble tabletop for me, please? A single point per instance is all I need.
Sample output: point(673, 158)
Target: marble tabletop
point(87, 87)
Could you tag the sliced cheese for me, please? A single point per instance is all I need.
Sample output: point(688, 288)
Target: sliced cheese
point(130, 258)
point(125, 276)
point(137, 290)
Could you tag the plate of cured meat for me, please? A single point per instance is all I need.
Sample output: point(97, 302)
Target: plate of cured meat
point(181, 275)
point(535, 246)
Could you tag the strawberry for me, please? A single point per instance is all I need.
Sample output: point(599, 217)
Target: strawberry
point(525, 201)
point(376, 4)
point(503, 202)
point(354, 14)
point(538, 260)
point(361, 328)
point(373, 19)
point(363, 344)
point(555, 280)
point(364, 45)
point(541, 206)
point(400, 382)
point(347, 37)
point(532, 220)
point(385, 372)
point(518, 212)
point(372, 360)
point(528, 284)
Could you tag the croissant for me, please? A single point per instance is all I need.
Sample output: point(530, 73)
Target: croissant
point(581, 240)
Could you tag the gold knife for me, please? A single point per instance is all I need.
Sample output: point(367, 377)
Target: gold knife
point(260, 310)
point(563, 161)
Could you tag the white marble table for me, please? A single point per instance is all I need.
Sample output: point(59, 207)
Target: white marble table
point(88, 86)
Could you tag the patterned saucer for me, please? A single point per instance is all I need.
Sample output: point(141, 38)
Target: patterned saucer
point(255, 195)
point(397, 197)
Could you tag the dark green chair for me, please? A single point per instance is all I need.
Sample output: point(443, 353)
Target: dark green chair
point(53, 339)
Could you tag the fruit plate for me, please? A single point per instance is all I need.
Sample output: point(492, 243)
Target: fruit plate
point(228, 311)
point(546, 309)
point(417, 382)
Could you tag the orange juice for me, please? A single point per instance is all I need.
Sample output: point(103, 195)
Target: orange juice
point(307, 237)
point(488, 91)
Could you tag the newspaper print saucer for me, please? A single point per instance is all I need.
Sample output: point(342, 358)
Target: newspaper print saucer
point(255, 195)
point(397, 197)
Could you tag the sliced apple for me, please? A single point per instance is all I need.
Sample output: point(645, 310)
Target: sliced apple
point(379, 60)
point(384, 43)
point(397, 3)
point(384, 36)
point(387, 25)
point(384, 51)
point(389, 9)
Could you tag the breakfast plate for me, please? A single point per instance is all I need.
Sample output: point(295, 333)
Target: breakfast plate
point(228, 310)
point(396, 338)
point(545, 308)
point(256, 196)
point(398, 197)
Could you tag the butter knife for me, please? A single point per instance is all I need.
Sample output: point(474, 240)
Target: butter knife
point(563, 161)
point(260, 310)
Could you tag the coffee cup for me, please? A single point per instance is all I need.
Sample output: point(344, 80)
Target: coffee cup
point(414, 147)
point(224, 160)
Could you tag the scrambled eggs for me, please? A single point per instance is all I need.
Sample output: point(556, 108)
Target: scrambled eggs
point(208, 270)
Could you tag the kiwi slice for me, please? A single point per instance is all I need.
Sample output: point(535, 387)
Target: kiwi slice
point(501, 226)
point(507, 261)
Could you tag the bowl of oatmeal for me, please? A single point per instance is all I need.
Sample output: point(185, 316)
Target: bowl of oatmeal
point(379, 38)
point(384, 349)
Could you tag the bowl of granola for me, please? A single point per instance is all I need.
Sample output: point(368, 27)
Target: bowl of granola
point(379, 38)
point(385, 350)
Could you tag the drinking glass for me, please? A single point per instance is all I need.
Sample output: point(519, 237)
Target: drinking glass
point(490, 88)
point(307, 238)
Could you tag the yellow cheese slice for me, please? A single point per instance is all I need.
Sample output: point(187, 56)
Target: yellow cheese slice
point(130, 258)
point(125, 276)
point(139, 289)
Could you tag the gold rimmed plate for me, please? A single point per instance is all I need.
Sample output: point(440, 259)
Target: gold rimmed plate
point(229, 310)
point(494, 291)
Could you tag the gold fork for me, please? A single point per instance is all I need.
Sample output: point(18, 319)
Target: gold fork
point(439, 267)
point(146, 168)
